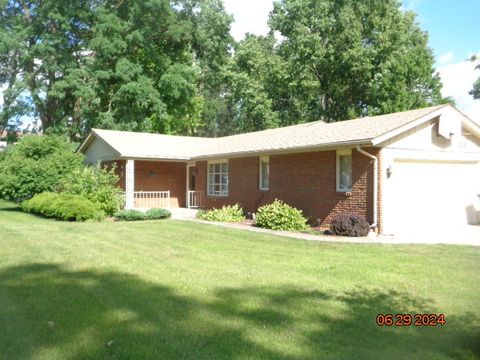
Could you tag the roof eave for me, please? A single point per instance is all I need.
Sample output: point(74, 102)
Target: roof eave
point(94, 135)
point(377, 141)
point(153, 158)
point(85, 144)
point(321, 147)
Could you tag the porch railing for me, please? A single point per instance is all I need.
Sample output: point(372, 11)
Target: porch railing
point(195, 199)
point(151, 199)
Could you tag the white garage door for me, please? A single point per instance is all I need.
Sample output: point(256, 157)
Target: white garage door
point(431, 196)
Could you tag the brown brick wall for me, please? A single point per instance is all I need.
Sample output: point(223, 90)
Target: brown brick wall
point(305, 180)
point(156, 176)
point(162, 176)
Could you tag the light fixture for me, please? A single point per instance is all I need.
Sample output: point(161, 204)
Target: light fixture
point(389, 171)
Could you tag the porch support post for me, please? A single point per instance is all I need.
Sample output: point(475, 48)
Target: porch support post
point(129, 184)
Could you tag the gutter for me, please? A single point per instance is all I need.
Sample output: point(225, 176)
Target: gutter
point(285, 150)
point(375, 182)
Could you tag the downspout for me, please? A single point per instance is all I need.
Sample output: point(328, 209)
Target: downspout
point(375, 182)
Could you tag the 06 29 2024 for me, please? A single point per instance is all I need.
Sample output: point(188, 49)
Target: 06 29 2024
point(410, 319)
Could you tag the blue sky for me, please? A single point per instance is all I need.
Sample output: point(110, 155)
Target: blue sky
point(453, 26)
point(454, 35)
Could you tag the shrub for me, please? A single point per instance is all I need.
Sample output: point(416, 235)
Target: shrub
point(349, 225)
point(135, 215)
point(96, 183)
point(63, 207)
point(35, 165)
point(230, 213)
point(280, 216)
point(158, 213)
point(41, 204)
point(130, 215)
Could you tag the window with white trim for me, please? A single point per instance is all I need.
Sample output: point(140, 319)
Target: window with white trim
point(344, 170)
point(264, 173)
point(217, 178)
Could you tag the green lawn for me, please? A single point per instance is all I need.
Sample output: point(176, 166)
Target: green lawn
point(180, 290)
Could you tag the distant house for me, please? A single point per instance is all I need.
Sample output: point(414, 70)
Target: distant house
point(4, 136)
point(418, 168)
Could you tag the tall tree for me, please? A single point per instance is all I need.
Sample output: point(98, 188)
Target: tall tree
point(39, 41)
point(211, 45)
point(355, 57)
point(137, 71)
point(255, 77)
point(142, 65)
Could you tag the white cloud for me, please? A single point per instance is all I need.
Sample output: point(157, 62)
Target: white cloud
point(458, 79)
point(446, 58)
point(250, 16)
point(411, 4)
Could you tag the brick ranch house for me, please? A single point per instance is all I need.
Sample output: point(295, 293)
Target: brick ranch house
point(411, 169)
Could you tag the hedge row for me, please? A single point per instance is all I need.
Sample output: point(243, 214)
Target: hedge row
point(135, 215)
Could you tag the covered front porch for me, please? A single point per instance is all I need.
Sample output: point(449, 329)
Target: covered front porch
point(160, 184)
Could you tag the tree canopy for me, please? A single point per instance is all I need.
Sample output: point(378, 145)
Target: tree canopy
point(171, 66)
point(475, 92)
point(142, 65)
point(359, 57)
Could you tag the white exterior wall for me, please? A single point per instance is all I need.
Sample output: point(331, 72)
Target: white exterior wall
point(129, 184)
point(99, 151)
point(433, 180)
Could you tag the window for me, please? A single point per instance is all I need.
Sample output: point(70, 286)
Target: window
point(264, 172)
point(218, 179)
point(344, 170)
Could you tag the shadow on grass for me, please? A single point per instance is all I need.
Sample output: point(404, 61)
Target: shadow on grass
point(109, 315)
point(13, 207)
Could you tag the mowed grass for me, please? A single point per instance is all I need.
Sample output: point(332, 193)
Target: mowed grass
point(181, 290)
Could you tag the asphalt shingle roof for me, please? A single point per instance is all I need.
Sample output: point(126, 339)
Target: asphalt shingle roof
point(306, 135)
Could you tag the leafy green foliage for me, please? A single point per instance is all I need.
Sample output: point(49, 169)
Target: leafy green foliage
point(230, 213)
point(119, 65)
point(349, 225)
point(363, 57)
point(34, 165)
point(337, 60)
point(63, 207)
point(280, 216)
point(136, 215)
point(96, 183)
point(112, 64)
point(252, 78)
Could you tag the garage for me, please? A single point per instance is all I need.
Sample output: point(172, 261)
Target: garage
point(431, 196)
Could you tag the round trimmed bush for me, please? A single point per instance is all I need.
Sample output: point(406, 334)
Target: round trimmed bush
point(40, 204)
point(158, 213)
point(349, 225)
point(34, 165)
point(280, 216)
point(63, 207)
